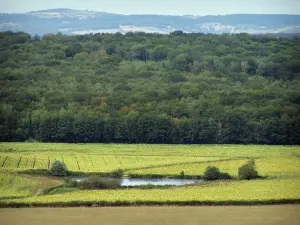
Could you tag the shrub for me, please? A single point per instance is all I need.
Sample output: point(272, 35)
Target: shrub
point(117, 173)
point(182, 174)
point(225, 176)
point(59, 169)
point(213, 173)
point(247, 171)
point(70, 183)
point(95, 182)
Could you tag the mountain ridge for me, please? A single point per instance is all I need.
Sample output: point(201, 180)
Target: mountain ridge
point(71, 21)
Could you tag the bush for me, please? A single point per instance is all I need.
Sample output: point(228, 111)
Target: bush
point(182, 174)
point(117, 173)
point(95, 182)
point(59, 169)
point(70, 183)
point(213, 173)
point(247, 171)
point(225, 176)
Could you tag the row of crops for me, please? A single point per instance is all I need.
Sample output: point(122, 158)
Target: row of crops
point(275, 161)
point(172, 165)
point(93, 163)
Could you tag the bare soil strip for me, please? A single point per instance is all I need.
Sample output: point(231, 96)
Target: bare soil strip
point(204, 215)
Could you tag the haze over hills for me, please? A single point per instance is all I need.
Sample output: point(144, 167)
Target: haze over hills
point(69, 21)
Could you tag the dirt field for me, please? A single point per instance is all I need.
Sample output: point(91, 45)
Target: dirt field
point(212, 215)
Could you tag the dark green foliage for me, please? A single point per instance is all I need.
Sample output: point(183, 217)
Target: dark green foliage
point(59, 169)
point(182, 174)
point(160, 52)
point(117, 173)
point(213, 173)
point(96, 182)
point(225, 176)
point(111, 49)
point(247, 171)
point(70, 183)
point(149, 88)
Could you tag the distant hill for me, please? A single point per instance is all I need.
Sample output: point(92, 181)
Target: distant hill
point(69, 21)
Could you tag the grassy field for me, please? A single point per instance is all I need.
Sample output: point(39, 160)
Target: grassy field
point(223, 192)
point(268, 166)
point(96, 157)
point(281, 165)
point(215, 215)
point(15, 186)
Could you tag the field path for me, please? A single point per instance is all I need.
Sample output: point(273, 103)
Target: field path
point(209, 215)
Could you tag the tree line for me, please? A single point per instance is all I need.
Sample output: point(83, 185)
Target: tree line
point(150, 88)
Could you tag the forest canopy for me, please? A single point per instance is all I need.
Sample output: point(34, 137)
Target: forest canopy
point(150, 88)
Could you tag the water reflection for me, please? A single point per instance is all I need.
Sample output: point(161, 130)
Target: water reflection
point(140, 181)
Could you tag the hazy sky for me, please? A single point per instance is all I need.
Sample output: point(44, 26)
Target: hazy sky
point(170, 7)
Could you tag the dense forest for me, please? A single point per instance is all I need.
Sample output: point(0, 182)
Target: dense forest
point(150, 88)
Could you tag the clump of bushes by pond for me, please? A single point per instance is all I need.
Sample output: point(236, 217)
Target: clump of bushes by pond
point(245, 172)
point(93, 182)
point(213, 173)
point(96, 182)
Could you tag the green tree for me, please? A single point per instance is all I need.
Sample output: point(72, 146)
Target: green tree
point(59, 169)
point(180, 62)
point(160, 52)
point(247, 171)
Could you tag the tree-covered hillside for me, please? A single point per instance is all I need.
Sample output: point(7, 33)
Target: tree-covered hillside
point(150, 88)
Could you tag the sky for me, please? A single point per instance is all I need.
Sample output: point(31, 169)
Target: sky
point(165, 7)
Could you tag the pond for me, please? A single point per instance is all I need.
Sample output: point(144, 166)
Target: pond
point(140, 181)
